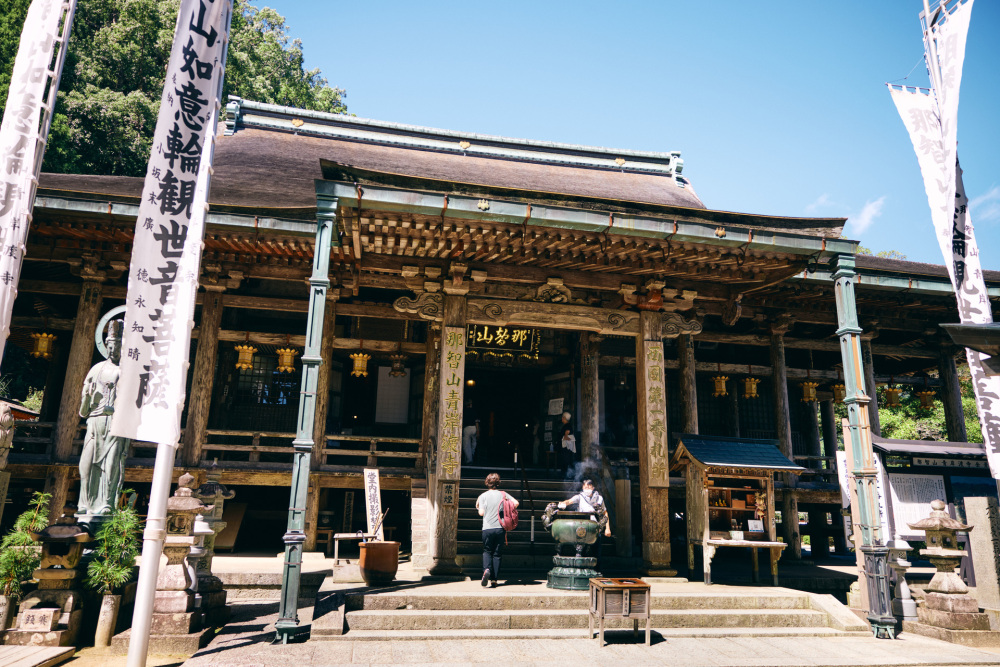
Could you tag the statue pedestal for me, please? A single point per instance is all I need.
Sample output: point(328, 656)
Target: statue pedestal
point(572, 573)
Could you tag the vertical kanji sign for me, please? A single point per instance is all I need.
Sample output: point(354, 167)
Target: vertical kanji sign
point(166, 253)
point(931, 119)
point(373, 503)
point(654, 405)
point(449, 458)
point(22, 138)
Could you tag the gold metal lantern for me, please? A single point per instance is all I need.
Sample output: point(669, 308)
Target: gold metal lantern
point(720, 385)
point(926, 399)
point(245, 360)
point(43, 345)
point(750, 387)
point(360, 364)
point(839, 392)
point(398, 369)
point(286, 360)
point(809, 391)
point(892, 395)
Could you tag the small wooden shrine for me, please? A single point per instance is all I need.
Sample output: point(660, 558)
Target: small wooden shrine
point(730, 496)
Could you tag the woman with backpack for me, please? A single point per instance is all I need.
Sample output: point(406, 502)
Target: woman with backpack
point(490, 505)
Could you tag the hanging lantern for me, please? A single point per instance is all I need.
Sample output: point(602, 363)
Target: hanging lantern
point(809, 391)
point(892, 396)
point(839, 392)
point(246, 352)
point(360, 364)
point(926, 399)
point(286, 360)
point(398, 369)
point(43, 345)
point(750, 387)
point(720, 385)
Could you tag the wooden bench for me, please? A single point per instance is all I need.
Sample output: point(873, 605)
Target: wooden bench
point(709, 546)
point(338, 537)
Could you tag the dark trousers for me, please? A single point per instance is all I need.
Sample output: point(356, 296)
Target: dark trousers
point(492, 550)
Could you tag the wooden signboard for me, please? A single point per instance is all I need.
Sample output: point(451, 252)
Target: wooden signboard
point(449, 460)
point(653, 403)
point(373, 502)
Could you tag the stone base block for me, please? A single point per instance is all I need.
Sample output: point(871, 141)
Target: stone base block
point(347, 573)
point(172, 602)
point(215, 617)
point(180, 623)
point(33, 638)
point(213, 599)
point(185, 644)
point(953, 620)
point(965, 604)
point(981, 638)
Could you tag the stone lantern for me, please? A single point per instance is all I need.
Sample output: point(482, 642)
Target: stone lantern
point(903, 605)
point(948, 603)
point(174, 610)
point(200, 531)
point(214, 493)
point(51, 615)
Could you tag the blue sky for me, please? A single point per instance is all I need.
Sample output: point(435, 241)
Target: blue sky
point(778, 108)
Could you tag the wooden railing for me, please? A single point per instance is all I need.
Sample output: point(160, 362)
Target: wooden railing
point(37, 439)
point(275, 447)
point(820, 468)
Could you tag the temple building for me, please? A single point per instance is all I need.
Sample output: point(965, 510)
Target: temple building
point(479, 280)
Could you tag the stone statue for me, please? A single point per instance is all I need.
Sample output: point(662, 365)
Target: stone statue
point(102, 461)
point(6, 434)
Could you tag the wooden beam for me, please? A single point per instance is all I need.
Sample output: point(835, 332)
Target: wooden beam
point(203, 377)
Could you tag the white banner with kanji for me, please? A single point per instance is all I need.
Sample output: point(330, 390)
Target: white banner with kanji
point(932, 123)
point(22, 145)
point(170, 227)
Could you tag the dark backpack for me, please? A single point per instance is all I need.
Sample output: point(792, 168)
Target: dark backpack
point(508, 513)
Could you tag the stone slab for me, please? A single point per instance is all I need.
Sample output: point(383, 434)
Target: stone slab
point(975, 638)
point(953, 620)
point(39, 620)
point(328, 615)
point(965, 604)
point(180, 623)
point(984, 548)
point(186, 644)
point(34, 656)
point(30, 638)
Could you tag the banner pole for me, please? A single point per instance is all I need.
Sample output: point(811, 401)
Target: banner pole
point(152, 548)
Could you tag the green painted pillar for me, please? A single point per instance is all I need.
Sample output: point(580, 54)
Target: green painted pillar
point(871, 543)
point(287, 625)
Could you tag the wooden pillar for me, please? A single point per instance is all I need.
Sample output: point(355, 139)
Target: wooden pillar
point(81, 356)
point(869, 370)
point(203, 377)
point(57, 482)
point(323, 383)
point(783, 429)
point(688, 383)
point(734, 408)
point(312, 512)
point(810, 411)
point(448, 471)
point(590, 398)
point(423, 513)
point(623, 518)
point(951, 396)
point(652, 431)
point(829, 423)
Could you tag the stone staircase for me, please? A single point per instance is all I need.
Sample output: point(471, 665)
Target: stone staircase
point(519, 554)
point(702, 612)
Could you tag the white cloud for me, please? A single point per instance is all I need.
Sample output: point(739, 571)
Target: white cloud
point(986, 207)
point(860, 223)
point(822, 201)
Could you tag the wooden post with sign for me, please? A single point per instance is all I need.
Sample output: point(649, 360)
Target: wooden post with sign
point(653, 465)
point(448, 469)
point(373, 503)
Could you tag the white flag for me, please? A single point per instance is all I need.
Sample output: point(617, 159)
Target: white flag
point(22, 145)
point(166, 252)
point(932, 124)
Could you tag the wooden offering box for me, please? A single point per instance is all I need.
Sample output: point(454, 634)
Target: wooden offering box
point(619, 598)
point(730, 496)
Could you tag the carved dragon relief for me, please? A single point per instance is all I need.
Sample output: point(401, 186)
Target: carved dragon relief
point(559, 316)
point(553, 291)
point(674, 325)
point(428, 305)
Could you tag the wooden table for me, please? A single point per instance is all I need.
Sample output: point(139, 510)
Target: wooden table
point(708, 548)
point(619, 598)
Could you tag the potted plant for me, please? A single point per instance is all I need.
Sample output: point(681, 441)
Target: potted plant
point(19, 556)
point(112, 565)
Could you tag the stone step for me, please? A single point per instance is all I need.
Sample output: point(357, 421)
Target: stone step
point(581, 633)
point(495, 600)
point(523, 619)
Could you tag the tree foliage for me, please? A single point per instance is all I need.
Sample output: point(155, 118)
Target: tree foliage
point(18, 557)
point(118, 543)
point(113, 79)
point(886, 254)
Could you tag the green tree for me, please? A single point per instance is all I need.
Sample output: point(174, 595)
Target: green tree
point(118, 544)
point(110, 92)
point(18, 557)
point(887, 254)
point(11, 20)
